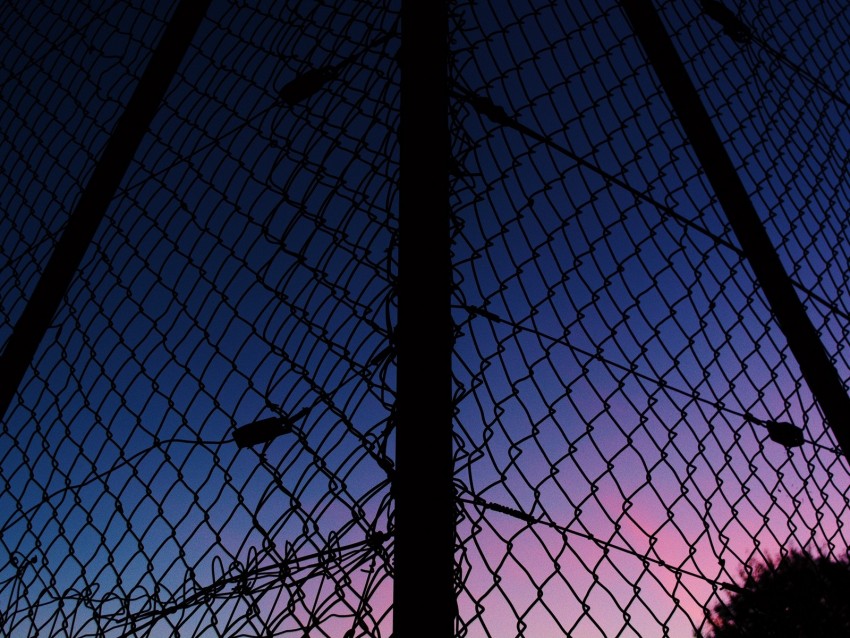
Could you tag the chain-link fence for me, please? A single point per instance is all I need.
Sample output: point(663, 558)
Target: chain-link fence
point(243, 272)
point(616, 363)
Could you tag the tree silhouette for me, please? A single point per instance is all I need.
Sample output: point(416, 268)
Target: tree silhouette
point(801, 595)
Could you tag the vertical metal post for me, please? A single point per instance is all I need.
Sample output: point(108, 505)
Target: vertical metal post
point(96, 197)
point(803, 340)
point(424, 598)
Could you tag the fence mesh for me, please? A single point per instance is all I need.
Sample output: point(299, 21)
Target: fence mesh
point(615, 361)
point(244, 271)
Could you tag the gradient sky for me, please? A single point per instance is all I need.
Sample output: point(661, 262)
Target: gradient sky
point(611, 337)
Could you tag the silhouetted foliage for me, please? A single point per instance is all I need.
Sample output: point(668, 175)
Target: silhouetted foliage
point(801, 595)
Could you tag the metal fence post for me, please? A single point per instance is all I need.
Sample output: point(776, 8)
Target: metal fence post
point(96, 197)
point(803, 339)
point(424, 598)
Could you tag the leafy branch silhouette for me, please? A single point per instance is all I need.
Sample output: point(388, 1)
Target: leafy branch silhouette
point(799, 595)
